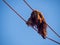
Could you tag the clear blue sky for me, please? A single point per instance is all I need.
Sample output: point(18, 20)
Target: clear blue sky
point(14, 31)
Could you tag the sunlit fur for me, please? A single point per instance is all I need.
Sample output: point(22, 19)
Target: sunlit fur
point(37, 19)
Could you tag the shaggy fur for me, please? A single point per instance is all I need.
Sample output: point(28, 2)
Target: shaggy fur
point(36, 19)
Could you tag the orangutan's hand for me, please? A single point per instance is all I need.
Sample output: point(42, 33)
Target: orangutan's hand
point(28, 23)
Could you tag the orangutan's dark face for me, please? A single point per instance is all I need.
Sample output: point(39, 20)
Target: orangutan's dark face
point(34, 14)
point(37, 16)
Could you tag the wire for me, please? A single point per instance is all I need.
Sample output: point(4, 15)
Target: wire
point(53, 31)
point(14, 10)
point(25, 20)
point(46, 23)
point(28, 5)
point(53, 40)
point(48, 37)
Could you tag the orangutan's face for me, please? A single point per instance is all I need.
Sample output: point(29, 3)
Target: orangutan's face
point(37, 16)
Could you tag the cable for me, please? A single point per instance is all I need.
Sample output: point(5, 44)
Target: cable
point(28, 5)
point(14, 10)
point(25, 20)
point(53, 31)
point(48, 37)
point(53, 40)
point(47, 24)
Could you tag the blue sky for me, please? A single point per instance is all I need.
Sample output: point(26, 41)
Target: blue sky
point(14, 31)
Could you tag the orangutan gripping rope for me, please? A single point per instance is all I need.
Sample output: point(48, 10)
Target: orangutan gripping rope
point(36, 19)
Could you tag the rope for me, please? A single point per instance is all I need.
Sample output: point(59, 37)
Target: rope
point(28, 5)
point(48, 37)
point(53, 31)
point(25, 20)
point(53, 40)
point(14, 10)
point(47, 24)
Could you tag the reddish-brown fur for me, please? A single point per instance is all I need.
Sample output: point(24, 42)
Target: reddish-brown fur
point(37, 19)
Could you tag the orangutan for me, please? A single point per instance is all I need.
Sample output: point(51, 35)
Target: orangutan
point(37, 19)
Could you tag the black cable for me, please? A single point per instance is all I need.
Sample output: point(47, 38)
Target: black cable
point(47, 24)
point(48, 37)
point(53, 40)
point(28, 5)
point(54, 31)
point(14, 10)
